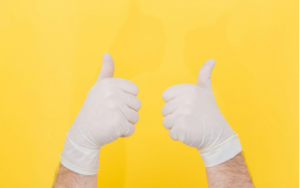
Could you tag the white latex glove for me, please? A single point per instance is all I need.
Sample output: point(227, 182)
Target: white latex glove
point(109, 112)
point(193, 117)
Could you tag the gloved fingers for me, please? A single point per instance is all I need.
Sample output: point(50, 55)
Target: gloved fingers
point(107, 69)
point(170, 93)
point(168, 121)
point(130, 100)
point(174, 133)
point(174, 91)
point(128, 113)
point(127, 86)
point(131, 115)
point(179, 128)
point(171, 106)
point(204, 74)
point(130, 128)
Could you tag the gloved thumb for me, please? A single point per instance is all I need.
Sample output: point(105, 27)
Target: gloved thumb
point(108, 67)
point(205, 74)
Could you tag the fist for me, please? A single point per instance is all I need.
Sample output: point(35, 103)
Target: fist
point(109, 112)
point(192, 115)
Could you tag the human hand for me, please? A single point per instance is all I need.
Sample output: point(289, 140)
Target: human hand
point(194, 118)
point(109, 112)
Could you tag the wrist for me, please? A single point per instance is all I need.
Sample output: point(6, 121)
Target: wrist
point(66, 177)
point(222, 152)
point(233, 173)
point(80, 159)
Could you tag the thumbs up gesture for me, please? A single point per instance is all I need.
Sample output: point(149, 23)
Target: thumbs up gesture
point(109, 112)
point(193, 117)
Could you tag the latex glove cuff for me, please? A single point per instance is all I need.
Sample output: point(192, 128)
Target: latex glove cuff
point(79, 159)
point(224, 151)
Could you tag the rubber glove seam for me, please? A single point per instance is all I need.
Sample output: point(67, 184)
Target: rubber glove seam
point(78, 167)
point(208, 149)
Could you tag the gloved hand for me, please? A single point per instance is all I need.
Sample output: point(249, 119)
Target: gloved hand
point(109, 112)
point(193, 117)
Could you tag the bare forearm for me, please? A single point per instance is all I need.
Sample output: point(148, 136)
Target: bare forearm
point(69, 179)
point(232, 173)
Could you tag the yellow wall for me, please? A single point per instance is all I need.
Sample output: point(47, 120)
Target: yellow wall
point(50, 55)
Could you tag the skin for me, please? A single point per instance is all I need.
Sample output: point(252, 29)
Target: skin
point(69, 179)
point(232, 173)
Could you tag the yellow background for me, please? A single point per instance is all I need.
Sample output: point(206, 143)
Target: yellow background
point(50, 55)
